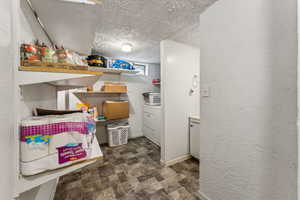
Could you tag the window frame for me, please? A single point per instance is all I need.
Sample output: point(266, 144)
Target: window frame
point(146, 68)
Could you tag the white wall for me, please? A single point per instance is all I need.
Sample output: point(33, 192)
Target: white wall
point(248, 124)
point(190, 36)
point(179, 63)
point(6, 100)
point(298, 96)
point(136, 85)
point(39, 95)
point(153, 71)
point(36, 96)
point(30, 28)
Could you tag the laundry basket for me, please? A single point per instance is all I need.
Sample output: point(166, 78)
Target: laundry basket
point(117, 134)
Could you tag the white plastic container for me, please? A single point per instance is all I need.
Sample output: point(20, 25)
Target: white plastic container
point(118, 134)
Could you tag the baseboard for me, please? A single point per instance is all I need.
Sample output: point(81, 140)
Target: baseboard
point(153, 141)
point(203, 196)
point(176, 160)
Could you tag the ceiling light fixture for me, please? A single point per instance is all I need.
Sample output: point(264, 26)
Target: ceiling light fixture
point(127, 47)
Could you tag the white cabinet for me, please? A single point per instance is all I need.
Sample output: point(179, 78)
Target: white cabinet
point(152, 123)
point(194, 137)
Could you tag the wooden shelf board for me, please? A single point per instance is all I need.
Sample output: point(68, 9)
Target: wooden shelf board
point(57, 70)
point(51, 64)
point(57, 79)
point(99, 93)
point(76, 82)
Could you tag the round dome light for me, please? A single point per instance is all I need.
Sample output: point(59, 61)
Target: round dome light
point(127, 47)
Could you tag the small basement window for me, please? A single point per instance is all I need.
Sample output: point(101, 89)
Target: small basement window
point(142, 69)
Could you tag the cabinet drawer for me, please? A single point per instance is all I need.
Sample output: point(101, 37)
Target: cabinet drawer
point(152, 109)
point(151, 135)
point(148, 131)
point(149, 119)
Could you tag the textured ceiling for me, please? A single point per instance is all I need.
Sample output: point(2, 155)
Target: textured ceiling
point(143, 23)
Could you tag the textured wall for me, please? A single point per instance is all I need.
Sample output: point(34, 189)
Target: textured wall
point(248, 125)
point(189, 35)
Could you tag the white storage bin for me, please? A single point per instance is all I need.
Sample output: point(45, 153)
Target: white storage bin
point(118, 134)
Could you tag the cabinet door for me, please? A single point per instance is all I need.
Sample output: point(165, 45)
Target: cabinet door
point(195, 139)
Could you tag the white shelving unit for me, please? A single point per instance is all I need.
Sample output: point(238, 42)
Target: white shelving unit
point(42, 72)
point(74, 82)
point(28, 78)
point(61, 80)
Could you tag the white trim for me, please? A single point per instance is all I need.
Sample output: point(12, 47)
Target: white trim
point(176, 160)
point(203, 196)
point(298, 99)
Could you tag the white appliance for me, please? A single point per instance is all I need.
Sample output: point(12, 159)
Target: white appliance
point(194, 137)
point(152, 99)
point(152, 123)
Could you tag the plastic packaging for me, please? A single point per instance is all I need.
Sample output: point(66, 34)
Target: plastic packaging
point(30, 52)
point(121, 64)
point(47, 54)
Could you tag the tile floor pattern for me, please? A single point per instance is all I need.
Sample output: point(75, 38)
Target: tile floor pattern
point(131, 172)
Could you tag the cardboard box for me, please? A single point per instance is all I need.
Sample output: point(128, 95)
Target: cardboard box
point(116, 109)
point(114, 87)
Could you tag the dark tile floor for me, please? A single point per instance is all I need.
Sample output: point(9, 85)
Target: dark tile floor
point(131, 172)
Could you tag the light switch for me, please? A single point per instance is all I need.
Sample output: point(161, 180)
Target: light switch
point(205, 91)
